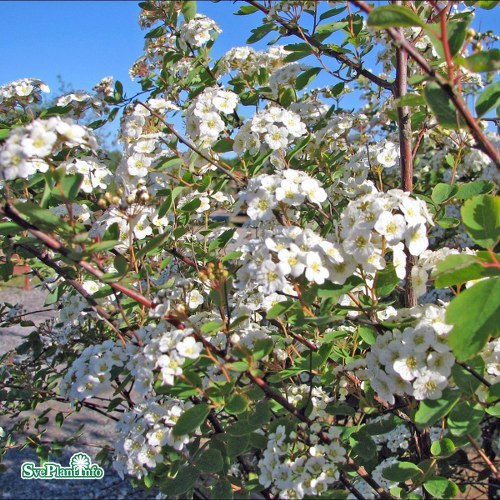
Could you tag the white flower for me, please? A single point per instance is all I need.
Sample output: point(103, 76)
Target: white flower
point(416, 239)
point(40, 140)
point(276, 137)
point(260, 205)
point(194, 299)
point(225, 101)
point(149, 456)
point(358, 245)
point(291, 264)
point(409, 363)
point(138, 164)
point(271, 277)
point(313, 190)
point(441, 362)
point(141, 226)
point(419, 280)
point(288, 192)
point(315, 270)
point(388, 156)
point(418, 339)
point(392, 227)
point(429, 385)
point(189, 348)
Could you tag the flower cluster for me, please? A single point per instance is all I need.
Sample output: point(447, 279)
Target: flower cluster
point(294, 468)
point(273, 127)
point(377, 222)
point(144, 431)
point(197, 32)
point(204, 122)
point(27, 148)
point(90, 374)
point(249, 62)
point(416, 361)
point(23, 91)
point(289, 187)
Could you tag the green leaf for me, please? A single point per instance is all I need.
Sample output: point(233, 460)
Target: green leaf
point(411, 99)
point(279, 309)
point(191, 419)
point(9, 228)
point(222, 240)
point(487, 4)
point(471, 189)
point(481, 218)
point(4, 133)
point(59, 419)
point(482, 62)
point(493, 393)
point(304, 79)
point(245, 10)
point(330, 290)
point(363, 447)
point(236, 404)
point(474, 316)
point(464, 379)
point(448, 222)
point(211, 326)
point(340, 409)
point(40, 215)
point(67, 188)
point(235, 445)
point(401, 472)
point(368, 334)
point(442, 106)
point(241, 428)
point(223, 146)
point(457, 269)
point(261, 414)
point(464, 418)
point(443, 192)
point(261, 32)
point(191, 206)
point(489, 99)
point(430, 411)
point(386, 281)
point(184, 480)
point(188, 9)
point(222, 488)
point(441, 487)
point(325, 30)
point(287, 96)
point(443, 448)
point(121, 264)
point(393, 16)
point(152, 245)
point(456, 31)
point(299, 146)
point(210, 461)
point(261, 348)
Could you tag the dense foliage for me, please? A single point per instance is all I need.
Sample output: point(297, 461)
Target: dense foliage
point(275, 292)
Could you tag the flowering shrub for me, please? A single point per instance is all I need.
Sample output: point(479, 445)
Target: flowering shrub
point(341, 339)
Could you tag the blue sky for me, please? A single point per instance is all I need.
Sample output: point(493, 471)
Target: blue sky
point(84, 41)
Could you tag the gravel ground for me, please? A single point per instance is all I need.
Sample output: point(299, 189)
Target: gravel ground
point(98, 430)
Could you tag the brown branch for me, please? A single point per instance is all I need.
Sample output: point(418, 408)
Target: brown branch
point(192, 147)
point(63, 272)
point(13, 214)
point(482, 141)
point(339, 56)
point(483, 455)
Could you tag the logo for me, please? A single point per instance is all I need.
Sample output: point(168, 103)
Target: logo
point(80, 467)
